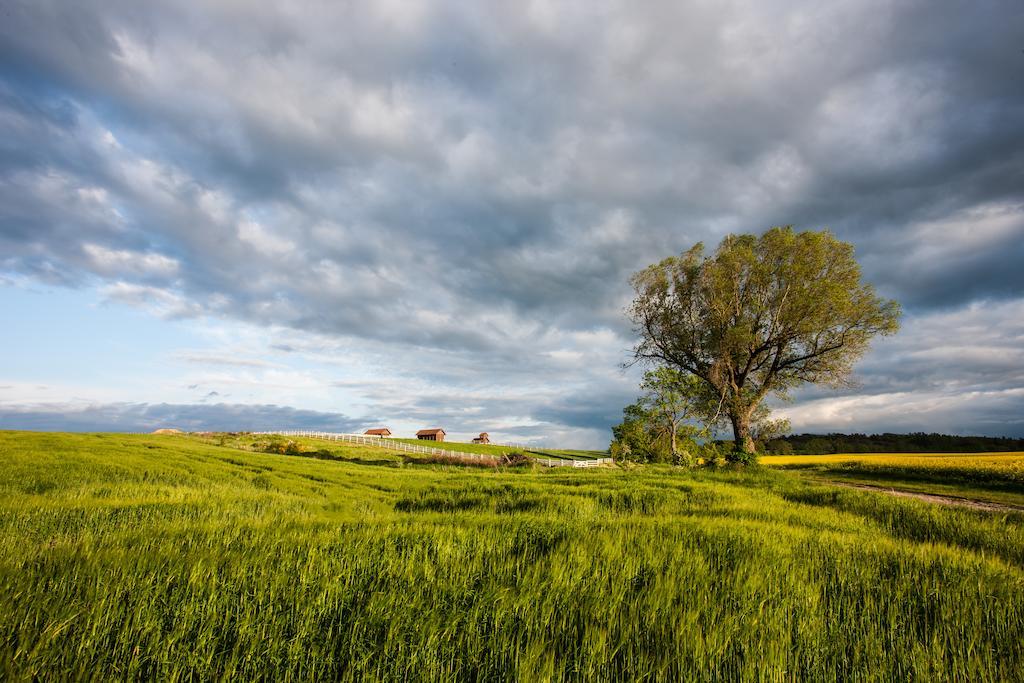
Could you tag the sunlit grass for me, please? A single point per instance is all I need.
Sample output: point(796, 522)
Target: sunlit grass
point(164, 557)
point(994, 477)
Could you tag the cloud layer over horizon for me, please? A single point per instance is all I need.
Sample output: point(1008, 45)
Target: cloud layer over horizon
point(426, 213)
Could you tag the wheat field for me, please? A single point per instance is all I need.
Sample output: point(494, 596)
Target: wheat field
point(163, 557)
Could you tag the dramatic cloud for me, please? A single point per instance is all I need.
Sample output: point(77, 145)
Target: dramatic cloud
point(456, 194)
point(144, 417)
point(959, 372)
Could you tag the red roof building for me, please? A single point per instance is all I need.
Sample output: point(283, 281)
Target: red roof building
point(436, 434)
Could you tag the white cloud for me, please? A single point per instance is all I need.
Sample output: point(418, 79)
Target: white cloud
point(214, 358)
point(959, 412)
point(263, 240)
point(163, 302)
point(119, 262)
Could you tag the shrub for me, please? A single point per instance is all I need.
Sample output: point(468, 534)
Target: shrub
point(712, 453)
point(740, 457)
point(515, 459)
point(279, 447)
point(453, 460)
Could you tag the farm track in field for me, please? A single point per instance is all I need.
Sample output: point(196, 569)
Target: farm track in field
point(927, 497)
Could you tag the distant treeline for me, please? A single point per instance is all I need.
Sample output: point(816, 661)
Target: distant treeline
point(918, 442)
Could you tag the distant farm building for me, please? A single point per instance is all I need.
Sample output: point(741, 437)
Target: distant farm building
point(430, 434)
point(381, 432)
point(483, 438)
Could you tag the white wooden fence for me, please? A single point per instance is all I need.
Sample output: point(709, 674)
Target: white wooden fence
point(391, 444)
point(560, 462)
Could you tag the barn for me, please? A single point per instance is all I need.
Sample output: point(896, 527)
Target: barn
point(436, 434)
point(380, 431)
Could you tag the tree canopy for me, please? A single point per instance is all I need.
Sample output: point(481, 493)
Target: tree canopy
point(659, 426)
point(761, 315)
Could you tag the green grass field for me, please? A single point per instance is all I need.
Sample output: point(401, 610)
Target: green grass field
point(344, 450)
point(485, 449)
point(167, 557)
point(991, 477)
point(494, 449)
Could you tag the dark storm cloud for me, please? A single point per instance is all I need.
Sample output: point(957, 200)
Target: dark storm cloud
point(481, 180)
point(145, 417)
point(586, 411)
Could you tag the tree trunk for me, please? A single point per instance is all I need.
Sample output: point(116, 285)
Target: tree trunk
point(676, 459)
point(741, 432)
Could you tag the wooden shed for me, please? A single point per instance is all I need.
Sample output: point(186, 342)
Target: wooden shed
point(436, 434)
point(380, 431)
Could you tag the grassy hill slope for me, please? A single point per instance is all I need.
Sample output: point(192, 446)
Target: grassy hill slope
point(143, 557)
point(494, 449)
point(486, 449)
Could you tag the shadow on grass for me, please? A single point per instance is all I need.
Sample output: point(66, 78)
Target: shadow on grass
point(322, 454)
point(374, 462)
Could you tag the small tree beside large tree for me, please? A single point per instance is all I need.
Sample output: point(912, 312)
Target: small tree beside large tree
point(760, 316)
point(659, 426)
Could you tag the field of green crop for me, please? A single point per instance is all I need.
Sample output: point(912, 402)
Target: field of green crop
point(167, 557)
point(992, 477)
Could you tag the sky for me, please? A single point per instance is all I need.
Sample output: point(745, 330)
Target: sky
point(235, 215)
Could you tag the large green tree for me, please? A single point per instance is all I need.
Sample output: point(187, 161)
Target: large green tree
point(761, 315)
